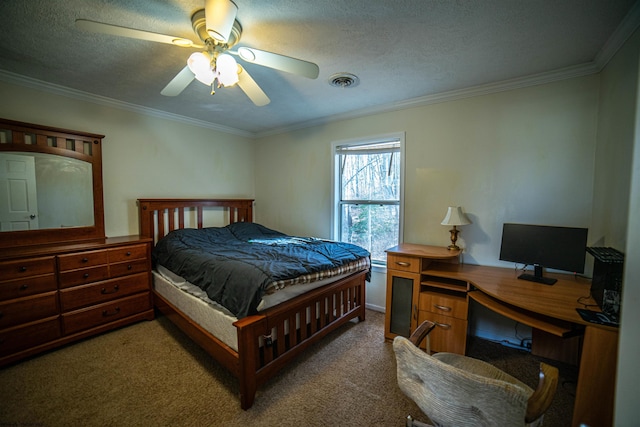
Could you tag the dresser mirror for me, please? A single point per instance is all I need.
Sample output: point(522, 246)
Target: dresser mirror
point(50, 185)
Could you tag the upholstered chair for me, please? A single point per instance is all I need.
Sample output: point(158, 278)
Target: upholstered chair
point(455, 390)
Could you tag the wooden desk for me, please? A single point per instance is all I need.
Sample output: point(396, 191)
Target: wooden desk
point(551, 309)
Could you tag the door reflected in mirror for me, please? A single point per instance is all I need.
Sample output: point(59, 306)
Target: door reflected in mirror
point(44, 191)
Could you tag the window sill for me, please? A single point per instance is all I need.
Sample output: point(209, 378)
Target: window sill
point(378, 268)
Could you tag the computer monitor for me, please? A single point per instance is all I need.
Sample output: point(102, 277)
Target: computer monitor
point(543, 246)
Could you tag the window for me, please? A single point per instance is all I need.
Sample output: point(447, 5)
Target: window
point(368, 193)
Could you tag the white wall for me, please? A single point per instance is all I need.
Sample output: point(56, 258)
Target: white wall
point(143, 156)
point(617, 203)
point(628, 375)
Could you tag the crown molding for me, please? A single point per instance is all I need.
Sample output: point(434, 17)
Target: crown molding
point(453, 95)
point(627, 27)
point(28, 82)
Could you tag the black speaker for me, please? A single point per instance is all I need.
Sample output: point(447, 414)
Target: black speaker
point(606, 285)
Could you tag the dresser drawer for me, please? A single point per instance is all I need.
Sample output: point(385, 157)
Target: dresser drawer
point(403, 263)
point(125, 268)
point(10, 270)
point(83, 276)
point(30, 286)
point(90, 317)
point(127, 253)
point(82, 260)
point(81, 296)
point(27, 309)
point(450, 334)
point(22, 337)
point(444, 304)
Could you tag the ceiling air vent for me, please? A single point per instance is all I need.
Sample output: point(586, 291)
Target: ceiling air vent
point(344, 80)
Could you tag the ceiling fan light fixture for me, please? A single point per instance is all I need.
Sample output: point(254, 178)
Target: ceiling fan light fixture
point(219, 16)
point(226, 70)
point(200, 65)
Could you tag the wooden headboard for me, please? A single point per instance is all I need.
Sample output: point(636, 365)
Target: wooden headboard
point(160, 216)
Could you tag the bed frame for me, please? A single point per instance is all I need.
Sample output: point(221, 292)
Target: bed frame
point(269, 340)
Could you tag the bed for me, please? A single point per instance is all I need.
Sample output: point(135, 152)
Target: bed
point(253, 347)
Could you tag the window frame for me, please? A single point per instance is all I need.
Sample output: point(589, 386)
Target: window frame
point(336, 189)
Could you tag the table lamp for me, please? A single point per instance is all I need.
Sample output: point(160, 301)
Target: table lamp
point(455, 217)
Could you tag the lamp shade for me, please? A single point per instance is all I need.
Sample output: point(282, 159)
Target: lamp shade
point(455, 216)
point(219, 16)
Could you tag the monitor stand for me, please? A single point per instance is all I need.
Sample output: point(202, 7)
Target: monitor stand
point(537, 276)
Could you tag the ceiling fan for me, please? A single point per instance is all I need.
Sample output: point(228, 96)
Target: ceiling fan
point(214, 65)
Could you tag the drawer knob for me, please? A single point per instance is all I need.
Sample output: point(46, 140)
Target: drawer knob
point(104, 291)
point(23, 269)
point(23, 287)
point(107, 313)
point(442, 307)
point(129, 266)
point(85, 275)
point(403, 263)
point(85, 259)
point(128, 253)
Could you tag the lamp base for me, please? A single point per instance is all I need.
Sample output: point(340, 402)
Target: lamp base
point(454, 238)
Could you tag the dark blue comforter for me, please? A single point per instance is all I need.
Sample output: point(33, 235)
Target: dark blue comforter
point(234, 264)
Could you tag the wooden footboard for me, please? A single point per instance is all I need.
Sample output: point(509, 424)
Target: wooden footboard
point(268, 341)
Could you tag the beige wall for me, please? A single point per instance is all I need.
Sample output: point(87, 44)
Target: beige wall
point(143, 156)
point(524, 155)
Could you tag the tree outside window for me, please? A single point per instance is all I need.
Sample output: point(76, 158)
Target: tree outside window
point(369, 181)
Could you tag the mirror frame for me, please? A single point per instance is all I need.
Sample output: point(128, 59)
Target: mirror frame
point(61, 142)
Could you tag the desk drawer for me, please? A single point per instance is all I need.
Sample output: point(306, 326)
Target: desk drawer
point(81, 296)
point(444, 304)
point(403, 263)
point(450, 334)
point(27, 309)
point(90, 317)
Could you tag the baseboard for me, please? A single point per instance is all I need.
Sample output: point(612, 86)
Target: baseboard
point(375, 307)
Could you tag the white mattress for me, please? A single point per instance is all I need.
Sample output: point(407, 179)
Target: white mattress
point(217, 320)
point(210, 315)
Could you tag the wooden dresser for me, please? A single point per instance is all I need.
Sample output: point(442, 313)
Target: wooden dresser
point(52, 295)
point(61, 278)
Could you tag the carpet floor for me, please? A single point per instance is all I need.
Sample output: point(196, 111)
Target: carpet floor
point(151, 374)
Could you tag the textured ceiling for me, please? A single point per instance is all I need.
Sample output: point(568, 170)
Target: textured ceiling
point(402, 51)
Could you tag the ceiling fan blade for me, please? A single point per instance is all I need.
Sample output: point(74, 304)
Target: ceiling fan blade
point(178, 83)
point(115, 30)
point(251, 88)
point(279, 62)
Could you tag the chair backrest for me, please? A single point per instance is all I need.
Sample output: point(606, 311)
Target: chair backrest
point(453, 395)
point(454, 390)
